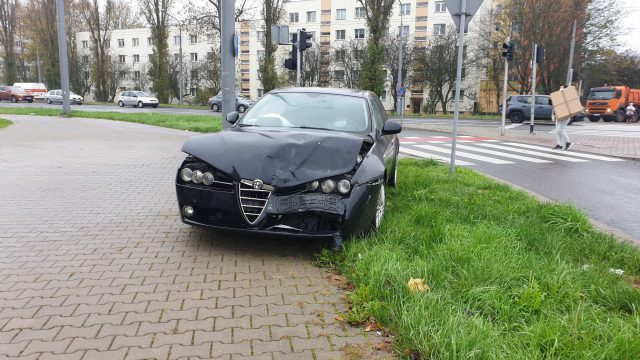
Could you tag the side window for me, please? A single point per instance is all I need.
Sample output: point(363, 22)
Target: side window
point(377, 116)
point(524, 99)
point(540, 100)
point(383, 112)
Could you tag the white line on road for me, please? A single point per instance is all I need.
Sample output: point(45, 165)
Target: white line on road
point(512, 126)
point(530, 152)
point(576, 154)
point(425, 155)
point(466, 154)
point(507, 155)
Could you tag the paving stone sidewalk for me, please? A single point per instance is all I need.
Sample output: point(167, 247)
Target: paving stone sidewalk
point(95, 263)
point(626, 147)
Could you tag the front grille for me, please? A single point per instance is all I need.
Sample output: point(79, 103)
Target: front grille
point(252, 202)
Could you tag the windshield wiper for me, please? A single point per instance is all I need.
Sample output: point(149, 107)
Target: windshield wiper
point(313, 128)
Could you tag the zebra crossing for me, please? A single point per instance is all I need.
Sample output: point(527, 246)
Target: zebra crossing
point(472, 151)
point(609, 130)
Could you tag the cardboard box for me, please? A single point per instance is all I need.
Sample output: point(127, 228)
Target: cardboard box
point(566, 103)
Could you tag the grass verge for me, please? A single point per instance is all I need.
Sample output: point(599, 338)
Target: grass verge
point(507, 276)
point(199, 123)
point(4, 123)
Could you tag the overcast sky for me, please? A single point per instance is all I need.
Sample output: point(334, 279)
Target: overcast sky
point(630, 28)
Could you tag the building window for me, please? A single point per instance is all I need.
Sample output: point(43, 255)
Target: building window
point(194, 57)
point(311, 16)
point(149, 42)
point(383, 96)
point(211, 39)
point(136, 58)
point(341, 14)
point(136, 75)
point(403, 30)
point(292, 37)
point(439, 29)
point(85, 44)
point(358, 54)
point(107, 43)
point(440, 7)
point(176, 40)
point(122, 58)
point(338, 75)
point(150, 57)
point(176, 57)
point(136, 42)
point(120, 43)
point(260, 55)
point(340, 34)
point(194, 75)
point(260, 36)
point(340, 54)
point(293, 17)
point(193, 39)
point(360, 13)
point(405, 9)
point(192, 91)
point(122, 74)
point(359, 33)
point(313, 35)
point(210, 56)
point(85, 59)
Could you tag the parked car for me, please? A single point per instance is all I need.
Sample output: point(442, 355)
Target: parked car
point(242, 103)
point(37, 89)
point(519, 109)
point(311, 162)
point(56, 96)
point(15, 94)
point(136, 98)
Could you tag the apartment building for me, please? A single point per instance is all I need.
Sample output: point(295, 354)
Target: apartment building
point(332, 22)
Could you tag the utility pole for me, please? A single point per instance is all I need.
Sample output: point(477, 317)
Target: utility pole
point(181, 68)
point(504, 88)
point(64, 60)
point(299, 62)
point(456, 112)
point(571, 51)
point(534, 67)
point(228, 53)
point(38, 66)
point(400, 102)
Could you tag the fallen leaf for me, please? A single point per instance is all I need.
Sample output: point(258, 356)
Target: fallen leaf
point(417, 285)
point(382, 346)
point(339, 318)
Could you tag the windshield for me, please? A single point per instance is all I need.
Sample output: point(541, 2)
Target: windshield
point(142, 94)
point(601, 94)
point(309, 110)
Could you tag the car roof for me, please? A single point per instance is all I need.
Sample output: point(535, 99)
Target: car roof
point(334, 91)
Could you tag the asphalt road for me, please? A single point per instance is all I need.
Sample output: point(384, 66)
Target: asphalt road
point(606, 190)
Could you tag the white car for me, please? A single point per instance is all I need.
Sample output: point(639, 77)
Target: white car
point(56, 96)
point(136, 98)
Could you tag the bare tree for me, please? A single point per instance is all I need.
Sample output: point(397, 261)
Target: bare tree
point(40, 19)
point(311, 66)
point(125, 16)
point(347, 62)
point(392, 52)
point(119, 73)
point(140, 77)
point(8, 21)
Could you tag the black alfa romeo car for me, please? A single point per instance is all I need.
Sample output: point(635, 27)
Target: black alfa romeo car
point(301, 161)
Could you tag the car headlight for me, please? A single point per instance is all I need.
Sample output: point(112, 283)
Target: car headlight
point(313, 185)
point(197, 177)
point(344, 186)
point(608, 110)
point(207, 178)
point(186, 174)
point(328, 185)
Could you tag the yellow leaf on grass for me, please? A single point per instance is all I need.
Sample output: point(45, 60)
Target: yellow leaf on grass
point(417, 285)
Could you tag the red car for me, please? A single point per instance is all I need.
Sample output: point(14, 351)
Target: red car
point(15, 94)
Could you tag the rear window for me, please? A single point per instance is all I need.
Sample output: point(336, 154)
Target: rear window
point(524, 99)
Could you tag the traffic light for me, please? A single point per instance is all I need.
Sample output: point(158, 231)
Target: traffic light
point(292, 62)
point(305, 40)
point(539, 54)
point(508, 51)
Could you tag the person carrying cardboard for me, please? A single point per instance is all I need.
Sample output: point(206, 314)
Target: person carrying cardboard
point(566, 104)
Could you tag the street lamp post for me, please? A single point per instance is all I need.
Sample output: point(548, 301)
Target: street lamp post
point(399, 102)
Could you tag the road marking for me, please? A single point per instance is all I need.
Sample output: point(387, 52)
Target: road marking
point(530, 152)
point(425, 155)
point(466, 154)
point(512, 126)
point(507, 155)
point(576, 154)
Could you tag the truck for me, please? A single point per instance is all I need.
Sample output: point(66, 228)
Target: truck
point(610, 102)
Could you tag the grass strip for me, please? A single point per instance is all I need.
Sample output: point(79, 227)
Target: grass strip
point(509, 277)
point(198, 123)
point(4, 123)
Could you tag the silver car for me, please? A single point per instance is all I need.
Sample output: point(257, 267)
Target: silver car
point(56, 96)
point(136, 98)
point(242, 103)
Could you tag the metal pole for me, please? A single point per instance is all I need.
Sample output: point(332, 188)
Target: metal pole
point(456, 112)
point(64, 60)
point(534, 67)
point(571, 51)
point(227, 37)
point(38, 64)
point(399, 105)
point(504, 91)
point(181, 68)
point(299, 60)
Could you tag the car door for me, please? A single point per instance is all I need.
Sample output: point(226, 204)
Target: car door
point(387, 143)
point(543, 107)
point(524, 104)
point(4, 94)
point(57, 96)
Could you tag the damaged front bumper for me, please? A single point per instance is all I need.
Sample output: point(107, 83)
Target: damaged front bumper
point(302, 214)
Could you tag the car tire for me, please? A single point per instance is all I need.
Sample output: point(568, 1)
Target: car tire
point(120, 103)
point(13, 99)
point(594, 119)
point(620, 116)
point(242, 109)
point(49, 101)
point(79, 103)
point(154, 106)
point(215, 107)
point(607, 119)
point(380, 207)
point(29, 101)
point(516, 117)
point(140, 104)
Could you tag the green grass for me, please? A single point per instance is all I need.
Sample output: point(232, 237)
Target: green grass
point(176, 106)
point(199, 123)
point(505, 271)
point(449, 116)
point(4, 123)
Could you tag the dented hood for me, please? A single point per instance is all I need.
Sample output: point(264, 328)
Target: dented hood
point(279, 158)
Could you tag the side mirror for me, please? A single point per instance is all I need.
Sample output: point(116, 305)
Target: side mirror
point(391, 127)
point(232, 117)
